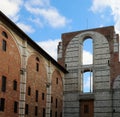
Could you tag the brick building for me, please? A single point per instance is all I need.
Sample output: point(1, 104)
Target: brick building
point(33, 84)
point(103, 97)
point(31, 81)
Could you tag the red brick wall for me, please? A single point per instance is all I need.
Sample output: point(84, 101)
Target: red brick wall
point(57, 93)
point(37, 81)
point(9, 67)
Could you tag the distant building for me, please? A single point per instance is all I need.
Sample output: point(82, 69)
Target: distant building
point(31, 81)
point(103, 97)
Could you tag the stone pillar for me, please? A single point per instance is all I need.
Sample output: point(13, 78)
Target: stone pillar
point(23, 77)
point(48, 86)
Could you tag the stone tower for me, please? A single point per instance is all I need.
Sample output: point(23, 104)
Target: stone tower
point(103, 100)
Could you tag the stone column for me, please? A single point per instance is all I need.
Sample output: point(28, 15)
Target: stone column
point(23, 77)
point(48, 86)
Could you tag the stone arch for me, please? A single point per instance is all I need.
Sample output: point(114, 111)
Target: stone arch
point(11, 61)
point(36, 80)
point(73, 56)
point(12, 35)
point(57, 93)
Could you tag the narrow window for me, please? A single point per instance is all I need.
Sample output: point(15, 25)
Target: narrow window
point(37, 67)
point(26, 109)
point(86, 109)
point(4, 34)
point(50, 113)
point(51, 99)
point(36, 110)
point(43, 96)
point(2, 104)
point(56, 114)
point(14, 85)
point(29, 91)
point(37, 64)
point(56, 103)
point(61, 114)
point(56, 80)
point(4, 45)
point(15, 107)
point(3, 83)
point(36, 96)
point(43, 112)
point(88, 82)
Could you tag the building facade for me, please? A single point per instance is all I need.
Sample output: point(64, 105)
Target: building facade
point(31, 81)
point(103, 97)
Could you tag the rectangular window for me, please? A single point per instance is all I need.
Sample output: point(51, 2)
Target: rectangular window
point(29, 91)
point(36, 99)
point(14, 85)
point(37, 67)
point(36, 110)
point(50, 113)
point(15, 107)
point(51, 99)
point(43, 112)
point(26, 109)
point(43, 96)
point(56, 114)
point(4, 45)
point(3, 84)
point(86, 109)
point(56, 103)
point(2, 104)
point(56, 80)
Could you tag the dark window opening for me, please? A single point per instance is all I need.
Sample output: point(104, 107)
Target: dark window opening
point(36, 110)
point(50, 113)
point(14, 85)
point(3, 83)
point(37, 59)
point(51, 99)
point(43, 112)
point(36, 96)
point(29, 91)
point(56, 80)
point(4, 45)
point(4, 34)
point(26, 109)
point(86, 109)
point(56, 114)
point(61, 114)
point(56, 103)
point(37, 67)
point(15, 107)
point(2, 104)
point(43, 96)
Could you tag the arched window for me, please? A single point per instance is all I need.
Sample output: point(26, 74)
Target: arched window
point(87, 51)
point(4, 34)
point(87, 82)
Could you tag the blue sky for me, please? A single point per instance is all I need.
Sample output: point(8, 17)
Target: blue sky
point(45, 20)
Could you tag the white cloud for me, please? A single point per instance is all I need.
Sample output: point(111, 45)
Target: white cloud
point(50, 46)
point(25, 27)
point(114, 5)
point(87, 57)
point(49, 13)
point(11, 8)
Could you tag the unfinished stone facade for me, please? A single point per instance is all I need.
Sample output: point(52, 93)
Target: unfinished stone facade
point(104, 98)
point(31, 81)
